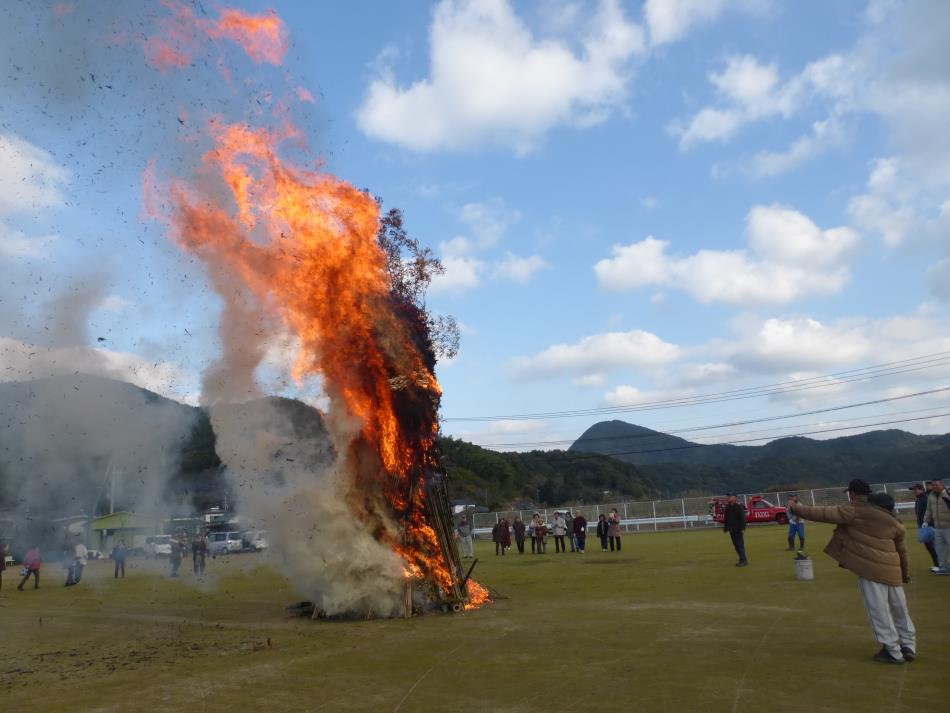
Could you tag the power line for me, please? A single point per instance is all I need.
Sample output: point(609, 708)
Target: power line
point(928, 361)
point(762, 438)
point(763, 419)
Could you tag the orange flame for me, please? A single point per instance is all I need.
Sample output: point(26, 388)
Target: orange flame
point(305, 243)
point(263, 37)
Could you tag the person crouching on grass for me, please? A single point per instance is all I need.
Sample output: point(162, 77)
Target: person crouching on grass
point(869, 541)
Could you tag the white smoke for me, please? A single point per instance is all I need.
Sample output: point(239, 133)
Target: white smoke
point(289, 481)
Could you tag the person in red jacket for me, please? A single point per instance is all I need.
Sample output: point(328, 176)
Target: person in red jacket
point(31, 563)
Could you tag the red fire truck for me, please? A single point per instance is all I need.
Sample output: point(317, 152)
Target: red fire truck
point(759, 510)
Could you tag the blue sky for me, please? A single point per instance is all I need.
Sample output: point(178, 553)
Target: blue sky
point(635, 201)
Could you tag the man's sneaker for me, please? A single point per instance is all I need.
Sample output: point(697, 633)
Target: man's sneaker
point(742, 564)
point(908, 653)
point(884, 656)
point(942, 570)
point(935, 569)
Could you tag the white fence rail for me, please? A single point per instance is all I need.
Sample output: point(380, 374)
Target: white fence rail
point(686, 513)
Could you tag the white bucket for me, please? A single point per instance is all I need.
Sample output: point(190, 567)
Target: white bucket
point(804, 570)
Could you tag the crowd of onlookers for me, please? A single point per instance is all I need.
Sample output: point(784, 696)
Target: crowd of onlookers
point(76, 557)
point(567, 529)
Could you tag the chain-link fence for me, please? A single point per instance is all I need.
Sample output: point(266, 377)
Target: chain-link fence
point(685, 513)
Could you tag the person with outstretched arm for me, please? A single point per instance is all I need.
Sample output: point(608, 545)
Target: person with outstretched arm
point(869, 541)
point(734, 523)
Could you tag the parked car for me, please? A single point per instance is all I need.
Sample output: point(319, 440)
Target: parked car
point(158, 546)
point(222, 543)
point(255, 540)
point(758, 510)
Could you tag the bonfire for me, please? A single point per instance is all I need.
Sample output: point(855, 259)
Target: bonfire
point(348, 284)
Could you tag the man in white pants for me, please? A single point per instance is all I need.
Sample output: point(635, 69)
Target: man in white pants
point(464, 533)
point(938, 517)
point(869, 541)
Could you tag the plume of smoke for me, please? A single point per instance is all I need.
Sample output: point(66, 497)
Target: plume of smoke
point(284, 468)
point(68, 426)
point(62, 436)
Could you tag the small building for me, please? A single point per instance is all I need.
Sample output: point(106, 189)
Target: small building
point(107, 530)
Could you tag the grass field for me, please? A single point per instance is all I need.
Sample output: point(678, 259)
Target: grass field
point(668, 625)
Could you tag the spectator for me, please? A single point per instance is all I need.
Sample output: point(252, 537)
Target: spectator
point(532, 533)
point(569, 524)
point(76, 565)
point(613, 529)
point(920, 509)
point(32, 561)
point(519, 528)
point(938, 517)
point(795, 525)
point(464, 532)
point(118, 555)
point(3, 561)
point(734, 524)
point(580, 532)
point(199, 554)
point(602, 530)
point(498, 536)
point(869, 541)
point(177, 551)
point(540, 531)
point(506, 533)
point(560, 529)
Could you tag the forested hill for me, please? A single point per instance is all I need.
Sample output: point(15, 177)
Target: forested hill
point(548, 477)
point(677, 465)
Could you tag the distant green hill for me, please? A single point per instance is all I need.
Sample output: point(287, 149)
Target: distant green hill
point(677, 465)
point(542, 477)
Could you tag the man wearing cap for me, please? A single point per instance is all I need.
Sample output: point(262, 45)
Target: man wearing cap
point(869, 541)
point(938, 517)
point(920, 508)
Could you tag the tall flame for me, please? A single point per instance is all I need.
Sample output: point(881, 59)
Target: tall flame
point(305, 244)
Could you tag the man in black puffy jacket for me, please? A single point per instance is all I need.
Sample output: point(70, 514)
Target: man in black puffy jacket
point(734, 524)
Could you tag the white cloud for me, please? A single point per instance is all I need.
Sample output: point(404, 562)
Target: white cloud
point(670, 20)
point(16, 244)
point(625, 395)
point(824, 135)
point(589, 381)
point(29, 177)
point(900, 206)
point(461, 274)
point(597, 354)
point(705, 372)
point(519, 269)
point(750, 91)
point(492, 82)
point(789, 345)
point(789, 258)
